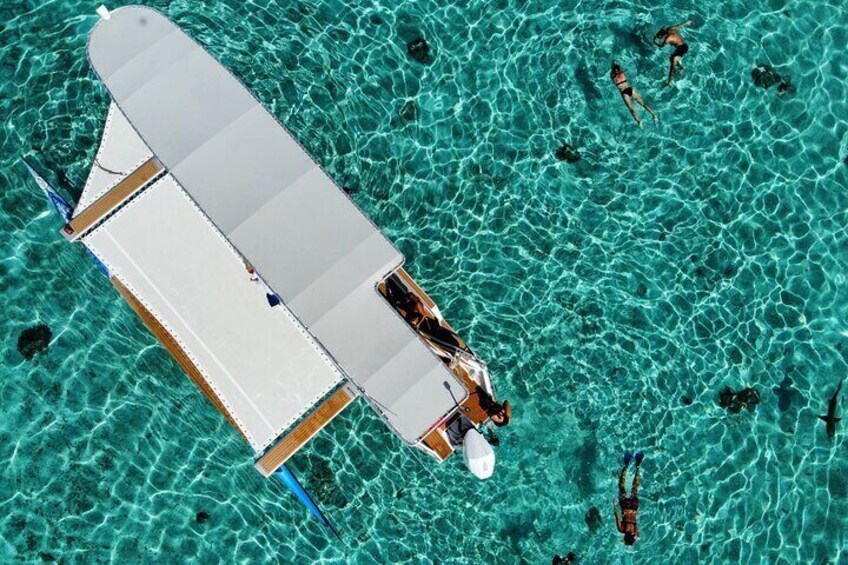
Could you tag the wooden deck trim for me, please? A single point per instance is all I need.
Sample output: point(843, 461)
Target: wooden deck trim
point(304, 431)
point(436, 441)
point(107, 203)
point(472, 409)
point(475, 411)
point(174, 348)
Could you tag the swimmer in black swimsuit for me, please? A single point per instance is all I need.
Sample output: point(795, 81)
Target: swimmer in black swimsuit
point(628, 93)
point(669, 36)
point(626, 522)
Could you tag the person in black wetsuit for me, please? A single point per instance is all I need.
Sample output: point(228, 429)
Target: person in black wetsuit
point(412, 309)
point(628, 93)
point(626, 521)
point(500, 413)
point(669, 36)
point(440, 335)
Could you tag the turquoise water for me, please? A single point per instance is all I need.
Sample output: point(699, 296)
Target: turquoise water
point(613, 298)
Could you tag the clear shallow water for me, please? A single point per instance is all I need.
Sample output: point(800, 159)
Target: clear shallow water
point(708, 251)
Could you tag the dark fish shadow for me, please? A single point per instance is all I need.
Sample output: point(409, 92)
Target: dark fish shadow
point(586, 456)
point(587, 81)
point(786, 394)
point(628, 39)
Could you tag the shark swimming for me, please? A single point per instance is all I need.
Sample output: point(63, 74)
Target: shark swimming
point(830, 418)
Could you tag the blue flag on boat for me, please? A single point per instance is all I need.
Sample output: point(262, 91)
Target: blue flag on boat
point(56, 201)
point(285, 476)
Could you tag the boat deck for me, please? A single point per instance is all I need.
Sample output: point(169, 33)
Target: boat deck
point(173, 347)
point(116, 196)
point(472, 408)
point(263, 367)
point(304, 431)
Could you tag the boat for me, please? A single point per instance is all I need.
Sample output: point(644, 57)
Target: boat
point(276, 295)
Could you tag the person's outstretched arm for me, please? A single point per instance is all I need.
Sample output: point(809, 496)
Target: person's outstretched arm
point(617, 518)
point(675, 27)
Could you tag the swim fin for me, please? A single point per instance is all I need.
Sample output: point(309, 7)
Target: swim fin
point(628, 457)
point(639, 457)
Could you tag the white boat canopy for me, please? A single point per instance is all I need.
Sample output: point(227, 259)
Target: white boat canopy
point(277, 208)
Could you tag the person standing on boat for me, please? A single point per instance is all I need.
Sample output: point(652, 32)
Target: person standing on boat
point(628, 93)
point(272, 298)
point(626, 521)
point(669, 36)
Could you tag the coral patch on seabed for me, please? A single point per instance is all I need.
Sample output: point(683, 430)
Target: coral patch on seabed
point(419, 50)
point(593, 519)
point(735, 402)
point(34, 340)
point(201, 517)
point(568, 153)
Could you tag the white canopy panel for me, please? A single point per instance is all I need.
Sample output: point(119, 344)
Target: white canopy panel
point(266, 369)
point(281, 211)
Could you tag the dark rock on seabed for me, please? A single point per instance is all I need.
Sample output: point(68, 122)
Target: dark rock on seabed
point(725, 397)
point(409, 111)
point(567, 153)
point(734, 402)
point(593, 519)
point(419, 50)
point(34, 340)
point(786, 87)
point(765, 76)
point(201, 517)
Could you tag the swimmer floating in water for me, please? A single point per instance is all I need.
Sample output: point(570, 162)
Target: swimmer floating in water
point(628, 93)
point(669, 36)
point(626, 522)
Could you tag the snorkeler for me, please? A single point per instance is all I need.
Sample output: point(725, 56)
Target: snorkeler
point(669, 36)
point(628, 93)
point(626, 522)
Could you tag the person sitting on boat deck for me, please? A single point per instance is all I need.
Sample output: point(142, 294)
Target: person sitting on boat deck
point(628, 93)
point(669, 36)
point(398, 297)
point(501, 414)
point(457, 429)
point(626, 522)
